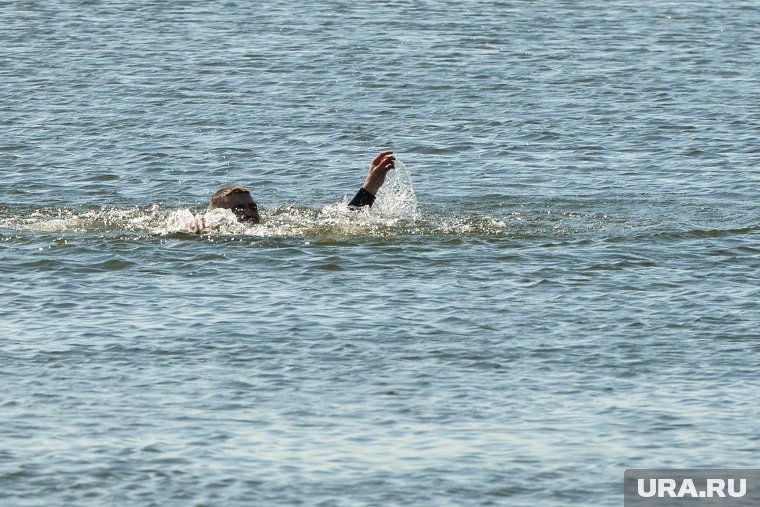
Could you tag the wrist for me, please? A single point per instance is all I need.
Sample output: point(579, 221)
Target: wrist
point(371, 186)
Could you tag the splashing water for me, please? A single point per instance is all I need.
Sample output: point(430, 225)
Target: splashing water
point(395, 213)
point(396, 198)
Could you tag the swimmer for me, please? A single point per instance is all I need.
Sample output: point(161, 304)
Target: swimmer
point(239, 200)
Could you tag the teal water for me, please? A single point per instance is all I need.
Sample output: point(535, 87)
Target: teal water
point(560, 281)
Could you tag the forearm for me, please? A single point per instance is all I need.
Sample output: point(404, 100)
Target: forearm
point(373, 183)
point(362, 198)
point(379, 167)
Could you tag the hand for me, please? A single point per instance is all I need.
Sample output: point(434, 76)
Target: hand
point(197, 224)
point(379, 167)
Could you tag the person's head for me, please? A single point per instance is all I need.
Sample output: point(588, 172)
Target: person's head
point(239, 200)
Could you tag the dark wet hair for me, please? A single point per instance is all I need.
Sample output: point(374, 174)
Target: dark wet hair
point(222, 193)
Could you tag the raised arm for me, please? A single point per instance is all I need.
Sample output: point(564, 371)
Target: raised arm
point(378, 169)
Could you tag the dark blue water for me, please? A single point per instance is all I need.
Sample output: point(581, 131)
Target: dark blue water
point(559, 282)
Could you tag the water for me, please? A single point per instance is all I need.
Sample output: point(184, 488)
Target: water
point(559, 282)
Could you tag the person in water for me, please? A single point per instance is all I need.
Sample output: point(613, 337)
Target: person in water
point(240, 201)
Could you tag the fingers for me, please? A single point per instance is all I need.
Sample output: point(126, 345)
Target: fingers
point(387, 163)
point(381, 156)
point(380, 166)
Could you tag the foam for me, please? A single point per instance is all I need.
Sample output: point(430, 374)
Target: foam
point(395, 212)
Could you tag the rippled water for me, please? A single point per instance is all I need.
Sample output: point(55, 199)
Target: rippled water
point(559, 282)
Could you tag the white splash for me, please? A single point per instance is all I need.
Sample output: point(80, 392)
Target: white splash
point(395, 213)
point(396, 198)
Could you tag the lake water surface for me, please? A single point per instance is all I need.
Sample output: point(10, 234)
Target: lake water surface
point(559, 282)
